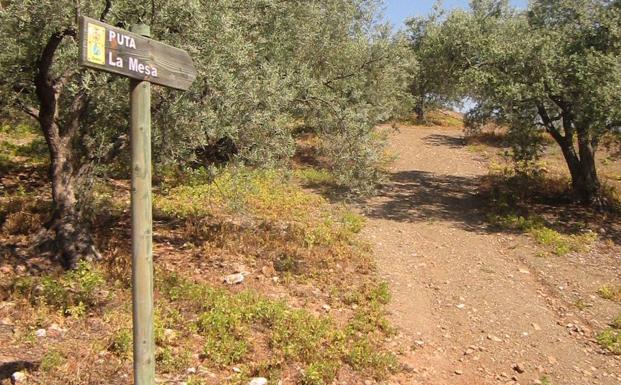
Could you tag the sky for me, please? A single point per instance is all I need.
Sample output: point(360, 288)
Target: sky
point(398, 10)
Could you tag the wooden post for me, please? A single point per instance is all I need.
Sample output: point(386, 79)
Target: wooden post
point(142, 254)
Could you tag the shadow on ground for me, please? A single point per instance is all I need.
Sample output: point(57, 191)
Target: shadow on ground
point(444, 141)
point(419, 196)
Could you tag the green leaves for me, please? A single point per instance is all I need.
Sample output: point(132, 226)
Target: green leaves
point(553, 68)
point(264, 66)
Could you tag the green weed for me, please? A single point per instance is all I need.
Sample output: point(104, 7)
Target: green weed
point(51, 360)
point(319, 373)
point(315, 177)
point(230, 323)
point(72, 293)
point(264, 193)
point(21, 145)
point(364, 356)
point(557, 243)
point(225, 349)
point(169, 360)
point(517, 222)
point(351, 221)
point(121, 343)
point(610, 339)
point(610, 292)
point(545, 380)
point(580, 304)
point(476, 148)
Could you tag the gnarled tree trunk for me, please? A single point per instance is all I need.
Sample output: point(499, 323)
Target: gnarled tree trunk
point(419, 109)
point(581, 164)
point(72, 239)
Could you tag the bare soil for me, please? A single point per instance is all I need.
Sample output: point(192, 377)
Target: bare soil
point(476, 306)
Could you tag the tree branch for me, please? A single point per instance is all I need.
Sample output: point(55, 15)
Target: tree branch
point(119, 145)
point(28, 110)
point(612, 125)
point(343, 77)
point(549, 123)
point(62, 81)
point(78, 108)
point(106, 10)
point(45, 87)
point(47, 56)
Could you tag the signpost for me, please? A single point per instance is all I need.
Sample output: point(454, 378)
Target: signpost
point(145, 61)
point(107, 48)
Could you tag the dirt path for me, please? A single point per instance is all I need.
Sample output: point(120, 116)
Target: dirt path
point(467, 299)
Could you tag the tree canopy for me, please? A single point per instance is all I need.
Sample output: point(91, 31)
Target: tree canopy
point(554, 67)
point(266, 67)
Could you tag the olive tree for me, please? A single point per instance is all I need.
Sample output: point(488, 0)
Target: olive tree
point(262, 64)
point(435, 76)
point(555, 67)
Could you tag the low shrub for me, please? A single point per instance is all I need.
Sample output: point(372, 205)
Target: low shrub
point(75, 289)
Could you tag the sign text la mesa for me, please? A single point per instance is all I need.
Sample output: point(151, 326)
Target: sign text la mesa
point(133, 64)
point(115, 50)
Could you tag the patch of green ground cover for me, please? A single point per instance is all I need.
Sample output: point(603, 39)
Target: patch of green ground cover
point(235, 325)
point(558, 243)
point(264, 195)
point(51, 360)
point(21, 144)
point(301, 233)
point(315, 176)
point(72, 293)
point(610, 292)
point(610, 338)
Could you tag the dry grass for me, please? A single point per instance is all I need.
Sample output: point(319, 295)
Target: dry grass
point(610, 292)
point(436, 118)
point(489, 136)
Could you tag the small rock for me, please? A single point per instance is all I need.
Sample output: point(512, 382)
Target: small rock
point(191, 370)
point(170, 334)
point(236, 369)
point(55, 331)
point(536, 326)
point(552, 360)
point(468, 352)
point(587, 331)
point(258, 381)
point(326, 307)
point(234, 279)
point(461, 306)
point(493, 338)
point(18, 378)
point(524, 271)
point(459, 372)
point(519, 368)
point(268, 271)
point(40, 333)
